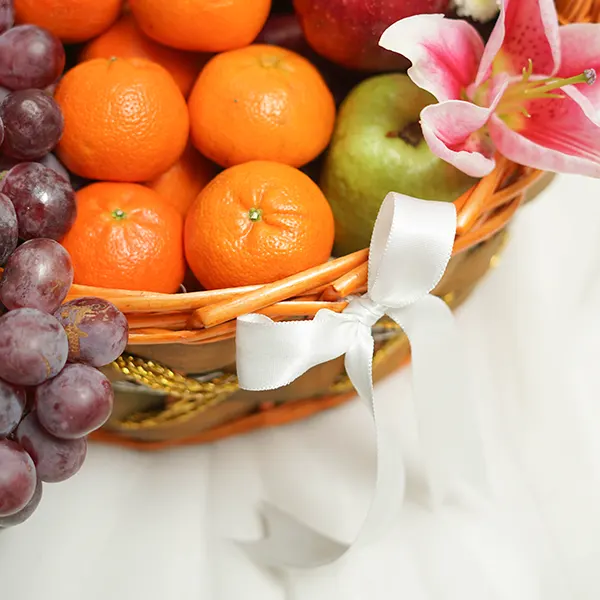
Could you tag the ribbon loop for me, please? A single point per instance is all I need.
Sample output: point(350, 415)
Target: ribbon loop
point(410, 249)
point(271, 355)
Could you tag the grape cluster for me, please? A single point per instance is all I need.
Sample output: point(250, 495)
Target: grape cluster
point(51, 393)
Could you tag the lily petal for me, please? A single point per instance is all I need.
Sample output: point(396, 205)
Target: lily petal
point(580, 47)
point(445, 53)
point(453, 131)
point(559, 136)
point(525, 30)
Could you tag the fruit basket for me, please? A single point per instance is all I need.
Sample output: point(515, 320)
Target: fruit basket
point(158, 192)
point(176, 382)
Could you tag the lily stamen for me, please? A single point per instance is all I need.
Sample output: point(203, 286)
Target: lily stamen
point(517, 94)
point(591, 76)
point(588, 77)
point(528, 70)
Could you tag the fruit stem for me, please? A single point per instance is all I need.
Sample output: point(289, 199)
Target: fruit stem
point(118, 214)
point(412, 134)
point(255, 214)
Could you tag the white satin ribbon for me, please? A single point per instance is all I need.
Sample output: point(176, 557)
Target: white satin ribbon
point(410, 249)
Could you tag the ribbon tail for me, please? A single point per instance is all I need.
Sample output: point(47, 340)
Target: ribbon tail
point(389, 491)
point(291, 543)
point(271, 355)
point(447, 418)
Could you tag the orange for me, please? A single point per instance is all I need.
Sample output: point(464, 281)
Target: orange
point(256, 223)
point(70, 20)
point(126, 237)
point(125, 119)
point(261, 103)
point(125, 39)
point(181, 184)
point(203, 25)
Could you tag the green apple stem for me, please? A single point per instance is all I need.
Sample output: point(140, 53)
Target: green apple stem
point(412, 134)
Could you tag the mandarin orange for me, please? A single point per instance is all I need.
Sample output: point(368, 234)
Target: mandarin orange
point(125, 119)
point(126, 237)
point(256, 223)
point(70, 20)
point(261, 103)
point(201, 25)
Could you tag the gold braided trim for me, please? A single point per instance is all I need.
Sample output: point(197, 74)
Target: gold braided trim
point(189, 395)
point(159, 377)
point(205, 395)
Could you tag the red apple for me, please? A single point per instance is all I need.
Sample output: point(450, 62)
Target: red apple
point(347, 32)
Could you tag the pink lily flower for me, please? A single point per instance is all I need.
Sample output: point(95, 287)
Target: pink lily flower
point(527, 94)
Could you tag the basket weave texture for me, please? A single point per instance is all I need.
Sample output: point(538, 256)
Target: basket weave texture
point(158, 405)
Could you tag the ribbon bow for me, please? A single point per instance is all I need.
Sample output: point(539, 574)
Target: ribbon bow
point(410, 248)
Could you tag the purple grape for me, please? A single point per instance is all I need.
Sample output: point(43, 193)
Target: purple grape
point(76, 402)
point(39, 274)
point(30, 57)
point(7, 15)
point(17, 478)
point(44, 202)
point(96, 329)
point(13, 400)
point(24, 513)
point(33, 347)
point(50, 161)
point(55, 459)
point(33, 124)
point(9, 229)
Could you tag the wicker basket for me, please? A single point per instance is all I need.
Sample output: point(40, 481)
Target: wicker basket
point(176, 383)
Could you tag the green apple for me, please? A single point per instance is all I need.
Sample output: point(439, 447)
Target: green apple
point(378, 147)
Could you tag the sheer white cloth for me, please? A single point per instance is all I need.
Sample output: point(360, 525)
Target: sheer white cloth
point(136, 526)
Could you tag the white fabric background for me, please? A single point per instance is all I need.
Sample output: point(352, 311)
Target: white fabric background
point(155, 526)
